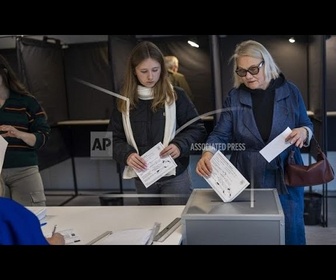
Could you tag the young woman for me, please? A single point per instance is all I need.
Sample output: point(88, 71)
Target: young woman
point(150, 111)
point(23, 124)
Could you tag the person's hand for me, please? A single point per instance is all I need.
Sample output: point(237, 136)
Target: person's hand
point(203, 167)
point(171, 150)
point(10, 131)
point(297, 137)
point(136, 161)
point(56, 239)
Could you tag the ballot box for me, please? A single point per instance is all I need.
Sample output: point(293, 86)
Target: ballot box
point(254, 217)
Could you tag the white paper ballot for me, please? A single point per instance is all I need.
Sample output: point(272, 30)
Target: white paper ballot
point(276, 146)
point(225, 178)
point(157, 167)
point(70, 236)
point(3, 148)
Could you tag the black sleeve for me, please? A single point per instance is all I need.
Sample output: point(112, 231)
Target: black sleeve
point(190, 127)
point(121, 149)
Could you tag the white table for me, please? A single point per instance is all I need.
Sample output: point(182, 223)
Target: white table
point(91, 221)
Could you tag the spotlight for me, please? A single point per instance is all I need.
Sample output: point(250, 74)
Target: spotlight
point(291, 40)
point(193, 44)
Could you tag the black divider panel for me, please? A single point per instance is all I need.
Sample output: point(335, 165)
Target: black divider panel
point(11, 56)
point(120, 47)
point(331, 74)
point(316, 82)
point(195, 64)
point(56, 150)
point(89, 63)
point(42, 70)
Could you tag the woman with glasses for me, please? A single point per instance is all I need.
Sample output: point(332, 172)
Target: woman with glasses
point(259, 107)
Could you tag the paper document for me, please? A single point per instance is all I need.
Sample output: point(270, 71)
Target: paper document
point(3, 148)
point(225, 178)
point(276, 146)
point(41, 213)
point(70, 236)
point(157, 167)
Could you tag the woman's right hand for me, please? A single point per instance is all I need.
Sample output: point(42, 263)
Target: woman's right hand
point(137, 162)
point(203, 167)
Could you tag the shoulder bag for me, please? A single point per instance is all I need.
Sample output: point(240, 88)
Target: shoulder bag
point(317, 173)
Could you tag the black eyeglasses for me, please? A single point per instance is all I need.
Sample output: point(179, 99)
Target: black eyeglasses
point(253, 70)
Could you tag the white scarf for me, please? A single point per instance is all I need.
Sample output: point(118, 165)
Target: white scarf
point(145, 93)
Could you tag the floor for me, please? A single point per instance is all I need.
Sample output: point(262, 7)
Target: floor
point(316, 234)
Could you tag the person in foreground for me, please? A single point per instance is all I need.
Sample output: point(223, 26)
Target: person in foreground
point(261, 105)
point(23, 124)
point(20, 226)
point(155, 111)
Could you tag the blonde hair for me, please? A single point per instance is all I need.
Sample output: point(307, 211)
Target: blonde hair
point(256, 50)
point(162, 90)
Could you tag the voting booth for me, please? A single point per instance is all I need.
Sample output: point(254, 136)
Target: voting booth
point(254, 217)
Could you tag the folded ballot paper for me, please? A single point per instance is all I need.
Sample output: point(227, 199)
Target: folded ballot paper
point(133, 236)
point(225, 178)
point(41, 213)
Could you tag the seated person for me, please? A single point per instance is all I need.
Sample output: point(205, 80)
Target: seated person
point(20, 226)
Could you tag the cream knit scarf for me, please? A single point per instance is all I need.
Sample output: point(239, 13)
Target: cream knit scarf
point(145, 93)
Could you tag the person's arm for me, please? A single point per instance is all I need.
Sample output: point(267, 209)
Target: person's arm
point(303, 131)
point(10, 131)
point(38, 130)
point(185, 85)
point(193, 130)
point(121, 149)
point(203, 167)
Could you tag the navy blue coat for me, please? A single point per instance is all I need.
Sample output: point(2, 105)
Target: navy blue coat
point(237, 131)
point(237, 125)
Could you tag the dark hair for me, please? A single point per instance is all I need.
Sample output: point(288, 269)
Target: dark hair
point(10, 79)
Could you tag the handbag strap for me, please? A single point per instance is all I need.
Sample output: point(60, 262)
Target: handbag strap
point(317, 146)
point(316, 143)
point(290, 159)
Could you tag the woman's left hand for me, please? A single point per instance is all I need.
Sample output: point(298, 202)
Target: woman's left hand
point(297, 137)
point(171, 150)
point(10, 131)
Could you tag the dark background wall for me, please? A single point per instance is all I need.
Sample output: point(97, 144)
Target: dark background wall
point(331, 74)
point(194, 63)
point(88, 62)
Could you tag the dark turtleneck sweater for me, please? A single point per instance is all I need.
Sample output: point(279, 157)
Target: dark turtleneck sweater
point(263, 105)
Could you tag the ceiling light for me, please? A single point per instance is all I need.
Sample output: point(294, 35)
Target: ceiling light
point(193, 44)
